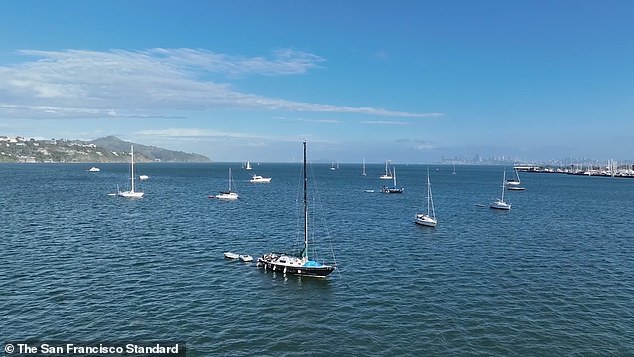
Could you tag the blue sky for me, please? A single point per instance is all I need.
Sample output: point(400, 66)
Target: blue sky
point(409, 81)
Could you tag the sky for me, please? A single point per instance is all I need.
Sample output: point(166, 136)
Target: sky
point(408, 81)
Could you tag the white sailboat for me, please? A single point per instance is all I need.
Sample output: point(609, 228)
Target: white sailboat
point(514, 184)
point(248, 165)
point(514, 181)
point(499, 203)
point(388, 174)
point(363, 172)
point(300, 265)
point(428, 219)
point(132, 193)
point(227, 195)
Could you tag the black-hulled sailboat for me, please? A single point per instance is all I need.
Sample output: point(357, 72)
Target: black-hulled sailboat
point(393, 189)
point(298, 265)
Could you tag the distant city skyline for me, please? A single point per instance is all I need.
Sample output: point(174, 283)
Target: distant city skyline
point(408, 81)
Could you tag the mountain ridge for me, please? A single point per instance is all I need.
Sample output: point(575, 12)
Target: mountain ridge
point(101, 150)
point(150, 153)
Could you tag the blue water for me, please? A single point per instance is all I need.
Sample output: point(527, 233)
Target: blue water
point(554, 276)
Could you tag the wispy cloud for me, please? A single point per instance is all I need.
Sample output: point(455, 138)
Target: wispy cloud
point(148, 83)
point(283, 62)
point(309, 120)
point(384, 122)
point(212, 134)
point(184, 133)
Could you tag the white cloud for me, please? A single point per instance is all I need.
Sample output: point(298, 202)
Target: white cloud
point(309, 120)
point(284, 62)
point(384, 122)
point(195, 133)
point(119, 83)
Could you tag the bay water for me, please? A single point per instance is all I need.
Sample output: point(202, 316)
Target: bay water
point(553, 276)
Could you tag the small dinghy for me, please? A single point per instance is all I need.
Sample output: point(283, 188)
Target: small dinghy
point(245, 258)
point(230, 255)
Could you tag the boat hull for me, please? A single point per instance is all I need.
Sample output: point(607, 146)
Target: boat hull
point(130, 194)
point(392, 190)
point(501, 206)
point(425, 220)
point(273, 263)
point(227, 196)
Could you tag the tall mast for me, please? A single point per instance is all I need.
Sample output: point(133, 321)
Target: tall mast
point(132, 166)
point(428, 193)
point(394, 174)
point(229, 179)
point(503, 182)
point(305, 251)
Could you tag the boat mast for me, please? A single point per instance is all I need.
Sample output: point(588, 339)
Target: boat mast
point(394, 174)
point(503, 181)
point(428, 194)
point(305, 251)
point(229, 179)
point(132, 167)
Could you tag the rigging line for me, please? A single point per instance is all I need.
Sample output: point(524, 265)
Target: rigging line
point(320, 211)
point(298, 215)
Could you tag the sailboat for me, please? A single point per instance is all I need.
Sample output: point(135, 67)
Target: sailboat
point(454, 170)
point(393, 189)
point(388, 174)
point(332, 166)
point(131, 193)
point(248, 166)
point(227, 195)
point(428, 219)
point(300, 265)
point(514, 183)
point(363, 172)
point(499, 203)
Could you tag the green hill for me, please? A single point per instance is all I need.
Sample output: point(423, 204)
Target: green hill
point(147, 153)
point(108, 149)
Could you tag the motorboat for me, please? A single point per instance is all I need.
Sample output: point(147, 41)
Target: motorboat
point(260, 179)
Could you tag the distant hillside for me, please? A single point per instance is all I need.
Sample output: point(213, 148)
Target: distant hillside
point(147, 153)
point(108, 149)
